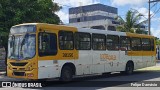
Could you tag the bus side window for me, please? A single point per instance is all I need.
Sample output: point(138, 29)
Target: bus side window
point(125, 43)
point(112, 42)
point(66, 40)
point(82, 41)
point(146, 44)
point(47, 43)
point(98, 42)
point(136, 44)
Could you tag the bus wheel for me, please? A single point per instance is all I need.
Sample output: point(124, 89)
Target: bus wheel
point(66, 74)
point(106, 74)
point(129, 68)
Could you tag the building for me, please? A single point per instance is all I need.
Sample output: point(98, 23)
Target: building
point(96, 16)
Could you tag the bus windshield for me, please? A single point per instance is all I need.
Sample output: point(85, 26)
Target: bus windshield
point(21, 46)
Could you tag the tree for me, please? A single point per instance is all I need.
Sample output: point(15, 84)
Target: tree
point(14, 12)
point(131, 23)
point(157, 41)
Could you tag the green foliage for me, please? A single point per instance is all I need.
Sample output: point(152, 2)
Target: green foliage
point(14, 12)
point(157, 42)
point(131, 23)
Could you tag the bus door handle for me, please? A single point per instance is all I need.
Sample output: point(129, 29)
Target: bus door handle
point(43, 66)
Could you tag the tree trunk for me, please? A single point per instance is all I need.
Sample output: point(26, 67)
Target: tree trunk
point(6, 51)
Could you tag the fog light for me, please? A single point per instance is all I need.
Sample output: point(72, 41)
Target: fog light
point(30, 74)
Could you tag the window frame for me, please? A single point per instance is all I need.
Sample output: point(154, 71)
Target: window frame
point(136, 44)
point(82, 41)
point(42, 55)
point(100, 35)
point(113, 43)
point(65, 40)
point(126, 44)
point(145, 44)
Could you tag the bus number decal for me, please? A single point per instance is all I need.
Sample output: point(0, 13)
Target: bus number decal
point(67, 54)
point(107, 57)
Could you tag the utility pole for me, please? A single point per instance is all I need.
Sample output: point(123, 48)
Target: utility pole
point(149, 18)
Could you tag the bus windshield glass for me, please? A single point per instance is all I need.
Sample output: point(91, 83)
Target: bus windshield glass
point(21, 46)
point(23, 29)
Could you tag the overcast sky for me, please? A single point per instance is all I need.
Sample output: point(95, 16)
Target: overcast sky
point(122, 5)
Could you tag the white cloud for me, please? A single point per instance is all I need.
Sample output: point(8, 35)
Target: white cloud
point(63, 16)
point(75, 3)
point(155, 32)
point(144, 11)
point(128, 2)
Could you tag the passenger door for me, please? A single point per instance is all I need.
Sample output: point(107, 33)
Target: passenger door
point(125, 49)
point(83, 45)
point(146, 47)
point(112, 53)
point(136, 52)
point(47, 51)
point(99, 48)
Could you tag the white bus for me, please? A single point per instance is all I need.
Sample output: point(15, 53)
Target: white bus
point(40, 51)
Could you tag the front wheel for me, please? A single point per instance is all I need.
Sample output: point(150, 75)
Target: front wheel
point(106, 74)
point(129, 68)
point(66, 74)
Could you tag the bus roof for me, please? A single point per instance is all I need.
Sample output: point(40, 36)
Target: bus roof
point(42, 24)
point(93, 30)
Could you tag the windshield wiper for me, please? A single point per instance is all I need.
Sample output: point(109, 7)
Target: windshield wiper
point(11, 57)
point(22, 43)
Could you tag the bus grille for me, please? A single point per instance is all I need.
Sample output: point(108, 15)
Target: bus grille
point(18, 64)
point(19, 73)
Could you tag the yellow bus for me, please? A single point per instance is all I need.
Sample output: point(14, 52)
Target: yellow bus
point(43, 51)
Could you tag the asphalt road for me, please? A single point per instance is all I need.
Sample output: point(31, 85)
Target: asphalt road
point(114, 81)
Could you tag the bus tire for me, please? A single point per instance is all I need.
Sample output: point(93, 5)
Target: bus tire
point(129, 68)
point(106, 74)
point(66, 74)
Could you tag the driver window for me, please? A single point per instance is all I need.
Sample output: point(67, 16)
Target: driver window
point(47, 44)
